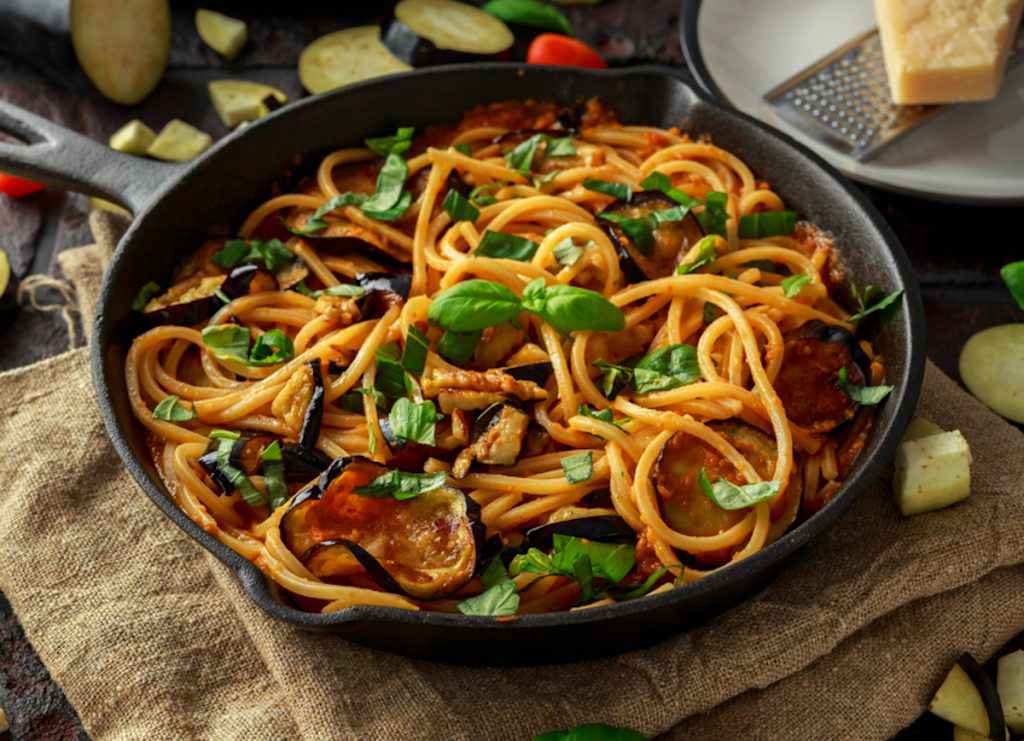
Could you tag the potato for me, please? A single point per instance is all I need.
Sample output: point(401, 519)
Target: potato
point(932, 472)
point(992, 367)
point(1010, 684)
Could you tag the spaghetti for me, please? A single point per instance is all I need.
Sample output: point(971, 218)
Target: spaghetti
point(535, 361)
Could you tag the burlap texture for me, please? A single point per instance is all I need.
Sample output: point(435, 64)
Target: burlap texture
point(151, 637)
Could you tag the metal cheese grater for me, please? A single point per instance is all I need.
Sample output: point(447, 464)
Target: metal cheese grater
point(842, 100)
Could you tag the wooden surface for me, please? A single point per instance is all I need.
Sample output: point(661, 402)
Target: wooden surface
point(956, 250)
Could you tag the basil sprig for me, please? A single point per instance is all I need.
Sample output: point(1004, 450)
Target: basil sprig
point(579, 467)
point(272, 253)
point(411, 421)
point(271, 347)
point(272, 465)
point(507, 246)
point(459, 207)
point(728, 495)
point(570, 308)
point(473, 305)
point(402, 485)
point(500, 596)
point(706, 255)
point(869, 302)
point(767, 224)
point(145, 294)
point(397, 144)
point(794, 284)
point(1013, 277)
point(530, 13)
point(620, 191)
point(579, 559)
point(864, 395)
point(170, 409)
point(666, 368)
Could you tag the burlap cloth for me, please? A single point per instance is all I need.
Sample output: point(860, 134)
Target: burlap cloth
point(151, 637)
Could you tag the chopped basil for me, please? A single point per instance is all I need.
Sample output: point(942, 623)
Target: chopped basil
point(464, 148)
point(459, 207)
point(379, 400)
point(397, 144)
point(271, 347)
point(728, 495)
point(506, 246)
point(473, 305)
point(570, 308)
point(711, 312)
point(391, 379)
point(706, 255)
point(520, 158)
point(218, 434)
point(530, 13)
point(222, 296)
point(767, 224)
point(272, 253)
point(1013, 277)
point(592, 732)
point(458, 347)
point(579, 467)
point(714, 216)
point(390, 350)
point(316, 222)
point(415, 422)
point(232, 253)
point(643, 588)
point(481, 195)
point(144, 295)
point(353, 401)
point(567, 253)
point(866, 300)
point(640, 230)
point(583, 573)
point(172, 410)
point(539, 181)
point(794, 284)
point(605, 415)
point(499, 597)
point(563, 147)
point(495, 573)
point(621, 191)
point(666, 368)
point(228, 342)
point(414, 355)
point(661, 182)
point(348, 290)
point(607, 560)
point(305, 290)
point(402, 485)
point(865, 395)
point(273, 475)
point(395, 212)
point(235, 478)
point(614, 377)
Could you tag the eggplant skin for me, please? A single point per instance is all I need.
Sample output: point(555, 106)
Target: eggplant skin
point(302, 465)
point(414, 50)
point(383, 290)
point(539, 373)
point(210, 463)
point(600, 529)
point(637, 267)
point(314, 415)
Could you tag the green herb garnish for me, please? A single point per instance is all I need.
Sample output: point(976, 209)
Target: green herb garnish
point(402, 485)
point(767, 224)
point(865, 395)
point(273, 475)
point(794, 284)
point(415, 422)
point(728, 495)
point(170, 409)
point(666, 368)
point(459, 207)
point(578, 467)
point(620, 191)
point(1013, 277)
point(145, 294)
point(271, 347)
point(458, 347)
point(397, 144)
point(228, 342)
point(414, 355)
point(506, 246)
point(706, 255)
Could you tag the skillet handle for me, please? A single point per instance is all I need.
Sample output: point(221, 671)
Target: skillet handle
point(63, 158)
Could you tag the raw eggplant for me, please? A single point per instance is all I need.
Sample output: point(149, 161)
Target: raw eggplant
point(600, 529)
point(968, 698)
point(8, 302)
point(439, 533)
point(242, 100)
point(314, 415)
point(199, 310)
point(345, 57)
point(430, 32)
point(223, 34)
point(672, 240)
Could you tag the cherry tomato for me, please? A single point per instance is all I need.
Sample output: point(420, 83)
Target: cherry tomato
point(17, 187)
point(563, 51)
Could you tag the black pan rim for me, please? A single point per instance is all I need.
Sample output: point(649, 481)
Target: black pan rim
point(884, 440)
point(689, 40)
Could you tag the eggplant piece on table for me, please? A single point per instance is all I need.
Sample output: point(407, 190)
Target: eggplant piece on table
point(425, 547)
point(968, 699)
point(430, 32)
point(670, 240)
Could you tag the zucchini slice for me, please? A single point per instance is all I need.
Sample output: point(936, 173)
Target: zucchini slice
point(344, 57)
point(921, 427)
point(932, 472)
point(223, 34)
point(122, 47)
point(445, 25)
point(992, 367)
point(1010, 685)
point(968, 699)
point(8, 303)
point(133, 138)
point(240, 100)
point(178, 141)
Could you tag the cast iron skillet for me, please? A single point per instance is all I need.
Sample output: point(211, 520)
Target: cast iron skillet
point(176, 204)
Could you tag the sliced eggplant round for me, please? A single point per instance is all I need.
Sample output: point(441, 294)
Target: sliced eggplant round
point(345, 57)
point(807, 383)
point(670, 240)
point(600, 529)
point(425, 547)
point(429, 32)
point(685, 506)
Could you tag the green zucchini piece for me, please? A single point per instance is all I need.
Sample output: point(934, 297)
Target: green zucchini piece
point(240, 100)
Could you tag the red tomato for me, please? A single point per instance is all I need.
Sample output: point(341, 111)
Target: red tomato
point(563, 51)
point(18, 187)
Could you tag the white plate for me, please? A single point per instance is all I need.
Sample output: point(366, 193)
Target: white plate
point(972, 154)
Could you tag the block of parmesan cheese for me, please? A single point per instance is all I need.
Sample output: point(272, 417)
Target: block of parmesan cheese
point(946, 51)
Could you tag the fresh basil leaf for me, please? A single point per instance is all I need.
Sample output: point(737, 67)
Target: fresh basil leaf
point(506, 246)
point(539, 181)
point(397, 144)
point(794, 284)
point(620, 191)
point(640, 230)
point(228, 342)
point(414, 355)
point(390, 350)
point(567, 253)
point(273, 474)
point(236, 479)
point(464, 148)
point(316, 222)
point(711, 312)
point(481, 195)
point(393, 213)
point(459, 207)
point(172, 410)
point(570, 308)
point(563, 147)
point(458, 347)
point(661, 182)
point(530, 13)
point(728, 495)
point(714, 216)
point(305, 290)
point(347, 290)
point(864, 395)
point(666, 368)
point(767, 224)
point(390, 182)
point(145, 294)
point(222, 296)
point(379, 400)
point(611, 561)
point(579, 467)
point(614, 377)
point(583, 573)
point(273, 254)
point(521, 157)
point(473, 305)
point(1013, 277)
point(497, 600)
point(402, 485)
point(411, 421)
point(706, 255)
point(271, 347)
point(605, 415)
point(592, 732)
point(390, 378)
point(232, 253)
point(534, 561)
point(878, 306)
point(644, 588)
point(218, 434)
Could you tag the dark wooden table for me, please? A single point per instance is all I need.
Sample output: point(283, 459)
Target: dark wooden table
point(956, 250)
